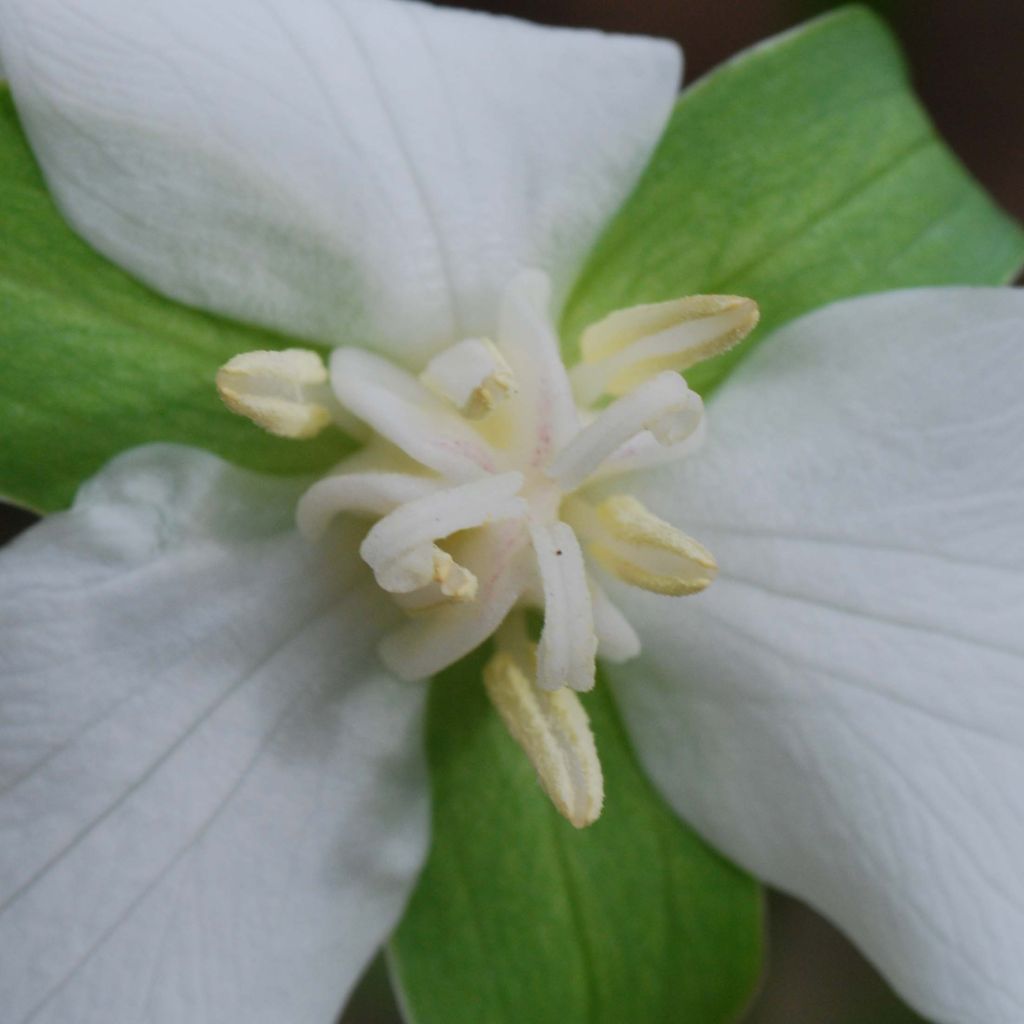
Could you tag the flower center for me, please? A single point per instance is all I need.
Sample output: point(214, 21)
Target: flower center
point(492, 479)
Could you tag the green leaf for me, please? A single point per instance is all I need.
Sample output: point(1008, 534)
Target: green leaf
point(94, 362)
point(519, 917)
point(802, 172)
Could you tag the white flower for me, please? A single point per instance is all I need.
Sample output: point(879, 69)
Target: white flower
point(212, 796)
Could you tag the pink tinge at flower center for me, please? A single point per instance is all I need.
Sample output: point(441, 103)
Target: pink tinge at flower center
point(492, 479)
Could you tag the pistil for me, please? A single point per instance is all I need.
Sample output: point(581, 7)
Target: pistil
point(483, 474)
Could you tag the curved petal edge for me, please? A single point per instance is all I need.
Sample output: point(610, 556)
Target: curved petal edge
point(366, 172)
point(213, 798)
point(843, 711)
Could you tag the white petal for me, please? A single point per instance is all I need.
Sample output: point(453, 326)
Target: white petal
point(357, 171)
point(843, 711)
point(212, 797)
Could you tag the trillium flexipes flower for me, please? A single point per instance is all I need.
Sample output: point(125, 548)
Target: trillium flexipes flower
point(488, 475)
point(213, 796)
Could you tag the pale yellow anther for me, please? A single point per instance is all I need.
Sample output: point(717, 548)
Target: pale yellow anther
point(553, 730)
point(426, 574)
point(631, 345)
point(473, 375)
point(455, 581)
point(450, 583)
point(285, 393)
point(647, 552)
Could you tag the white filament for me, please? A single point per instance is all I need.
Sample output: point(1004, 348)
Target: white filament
point(648, 407)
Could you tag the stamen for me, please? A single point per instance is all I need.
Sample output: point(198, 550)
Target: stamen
point(363, 494)
point(553, 730)
point(472, 375)
point(631, 345)
point(400, 548)
point(428, 643)
point(647, 552)
point(284, 392)
point(452, 582)
point(662, 404)
point(452, 579)
point(409, 415)
point(567, 641)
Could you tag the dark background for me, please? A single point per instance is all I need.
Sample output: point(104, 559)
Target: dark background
point(966, 61)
